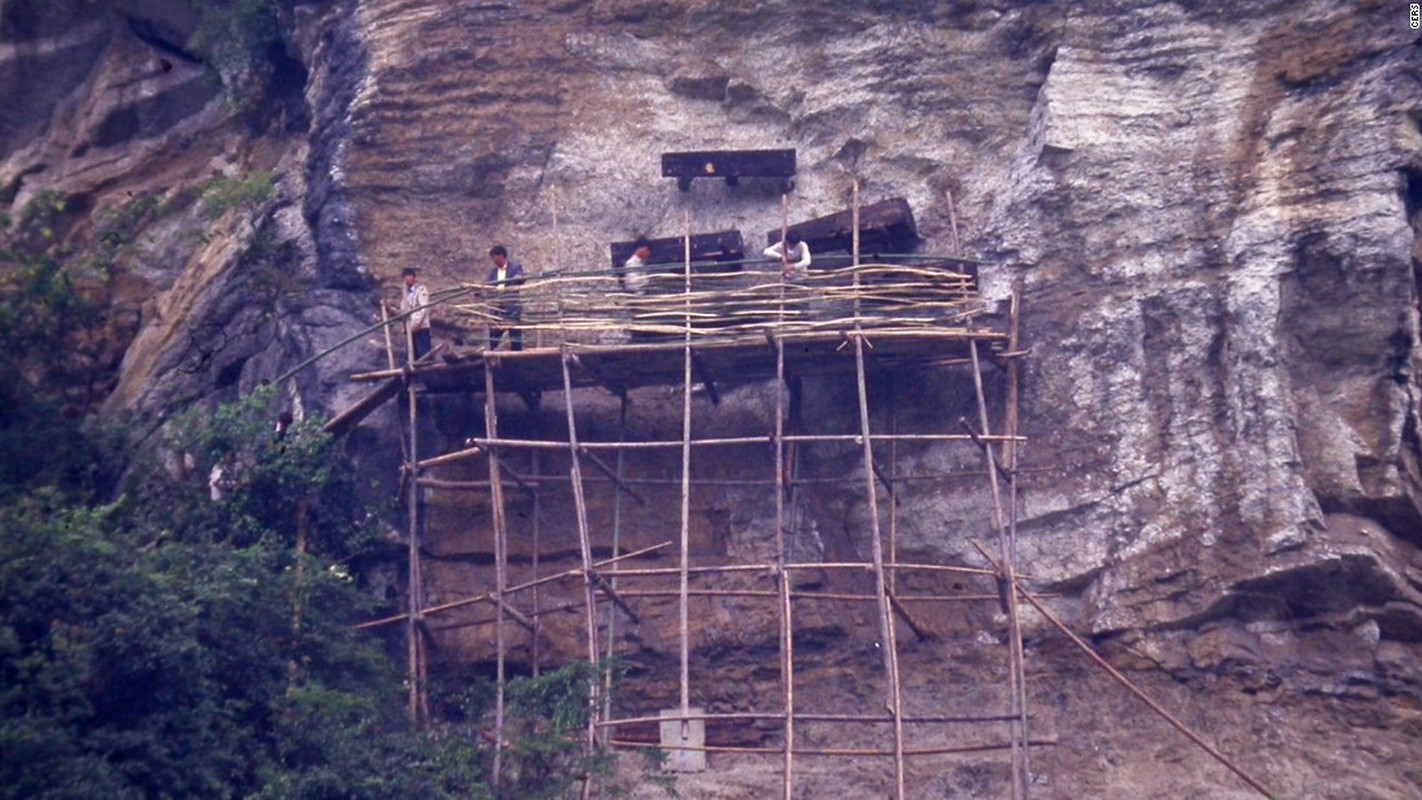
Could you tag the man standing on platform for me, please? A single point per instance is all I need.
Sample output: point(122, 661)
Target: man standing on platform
point(504, 279)
point(792, 253)
point(634, 277)
point(416, 303)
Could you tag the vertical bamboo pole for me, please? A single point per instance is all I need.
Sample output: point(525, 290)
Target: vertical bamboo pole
point(888, 634)
point(616, 550)
point(389, 342)
point(1009, 445)
point(496, 489)
point(782, 555)
point(557, 256)
point(953, 221)
point(585, 544)
point(390, 360)
point(893, 483)
point(416, 579)
point(537, 615)
point(787, 638)
point(685, 584)
point(854, 215)
point(854, 249)
point(1009, 448)
point(1016, 677)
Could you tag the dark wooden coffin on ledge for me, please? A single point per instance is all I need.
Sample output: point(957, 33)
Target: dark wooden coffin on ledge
point(884, 227)
point(729, 164)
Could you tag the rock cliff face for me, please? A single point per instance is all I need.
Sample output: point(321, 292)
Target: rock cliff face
point(1211, 216)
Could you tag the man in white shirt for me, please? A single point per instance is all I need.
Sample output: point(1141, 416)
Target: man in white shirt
point(634, 276)
point(416, 300)
point(792, 253)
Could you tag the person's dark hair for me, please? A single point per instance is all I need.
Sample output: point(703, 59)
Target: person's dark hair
point(642, 242)
point(408, 271)
point(499, 250)
point(793, 238)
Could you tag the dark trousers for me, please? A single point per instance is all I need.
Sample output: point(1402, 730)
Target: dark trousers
point(421, 340)
point(511, 317)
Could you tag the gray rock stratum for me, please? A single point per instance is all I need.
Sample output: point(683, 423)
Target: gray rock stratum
point(1211, 214)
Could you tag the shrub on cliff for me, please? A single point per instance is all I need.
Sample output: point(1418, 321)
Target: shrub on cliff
point(172, 645)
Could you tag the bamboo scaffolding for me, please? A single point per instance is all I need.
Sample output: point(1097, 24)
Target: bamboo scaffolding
point(496, 505)
point(1009, 451)
point(768, 570)
point(1007, 578)
point(885, 303)
point(414, 642)
point(827, 596)
point(784, 618)
point(480, 443)
point(616, 545)
point(685, 561)
point(585, 546)
point(532, 617)
point(887, 632)
point(876, 719)
point(1125, 682)
point(844, 752)
point(540, 479)
point(536, 582)
point(537, 596)
point(892, 483)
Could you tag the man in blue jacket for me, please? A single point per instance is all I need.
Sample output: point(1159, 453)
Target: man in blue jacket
point(503, 280)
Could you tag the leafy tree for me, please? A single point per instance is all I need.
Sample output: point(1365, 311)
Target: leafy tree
point(46, 372)
point(170, 645)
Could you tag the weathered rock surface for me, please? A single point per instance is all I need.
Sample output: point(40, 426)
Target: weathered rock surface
point(1211, 216)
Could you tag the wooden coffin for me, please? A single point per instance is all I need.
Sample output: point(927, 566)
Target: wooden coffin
point(729, 164)
point(884, 227)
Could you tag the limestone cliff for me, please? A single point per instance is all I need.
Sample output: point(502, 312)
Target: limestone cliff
point(1211, 215)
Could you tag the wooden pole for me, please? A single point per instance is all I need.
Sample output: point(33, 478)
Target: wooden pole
point(585, 545)
point(832, 753)
point(854, 250)
point(876, 719)
point(616, 544)
point(953, 221)
point(685, 562)
point(887, 633)
point(533, 584)
point(787, 637)
point(1009, 457)
point(894, 491)
point(416, 579)
point(1016, 675)
point(496, 487)
point(1143, 697)
point(537, 531)
point(669, 444)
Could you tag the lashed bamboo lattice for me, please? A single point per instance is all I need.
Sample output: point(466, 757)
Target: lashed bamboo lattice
point(886, 315)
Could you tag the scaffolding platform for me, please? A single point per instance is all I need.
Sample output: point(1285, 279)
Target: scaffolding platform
point(713, 328)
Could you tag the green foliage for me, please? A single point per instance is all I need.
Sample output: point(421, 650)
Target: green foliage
point(224, 193)
point(545, 728)
point(49, 320)
point(170, 645)
point(116, 234)
point(282, 488)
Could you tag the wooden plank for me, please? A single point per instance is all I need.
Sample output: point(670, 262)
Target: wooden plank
point(729, 164)
point(343, 422)
point(709, 252)
point(884, 227)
